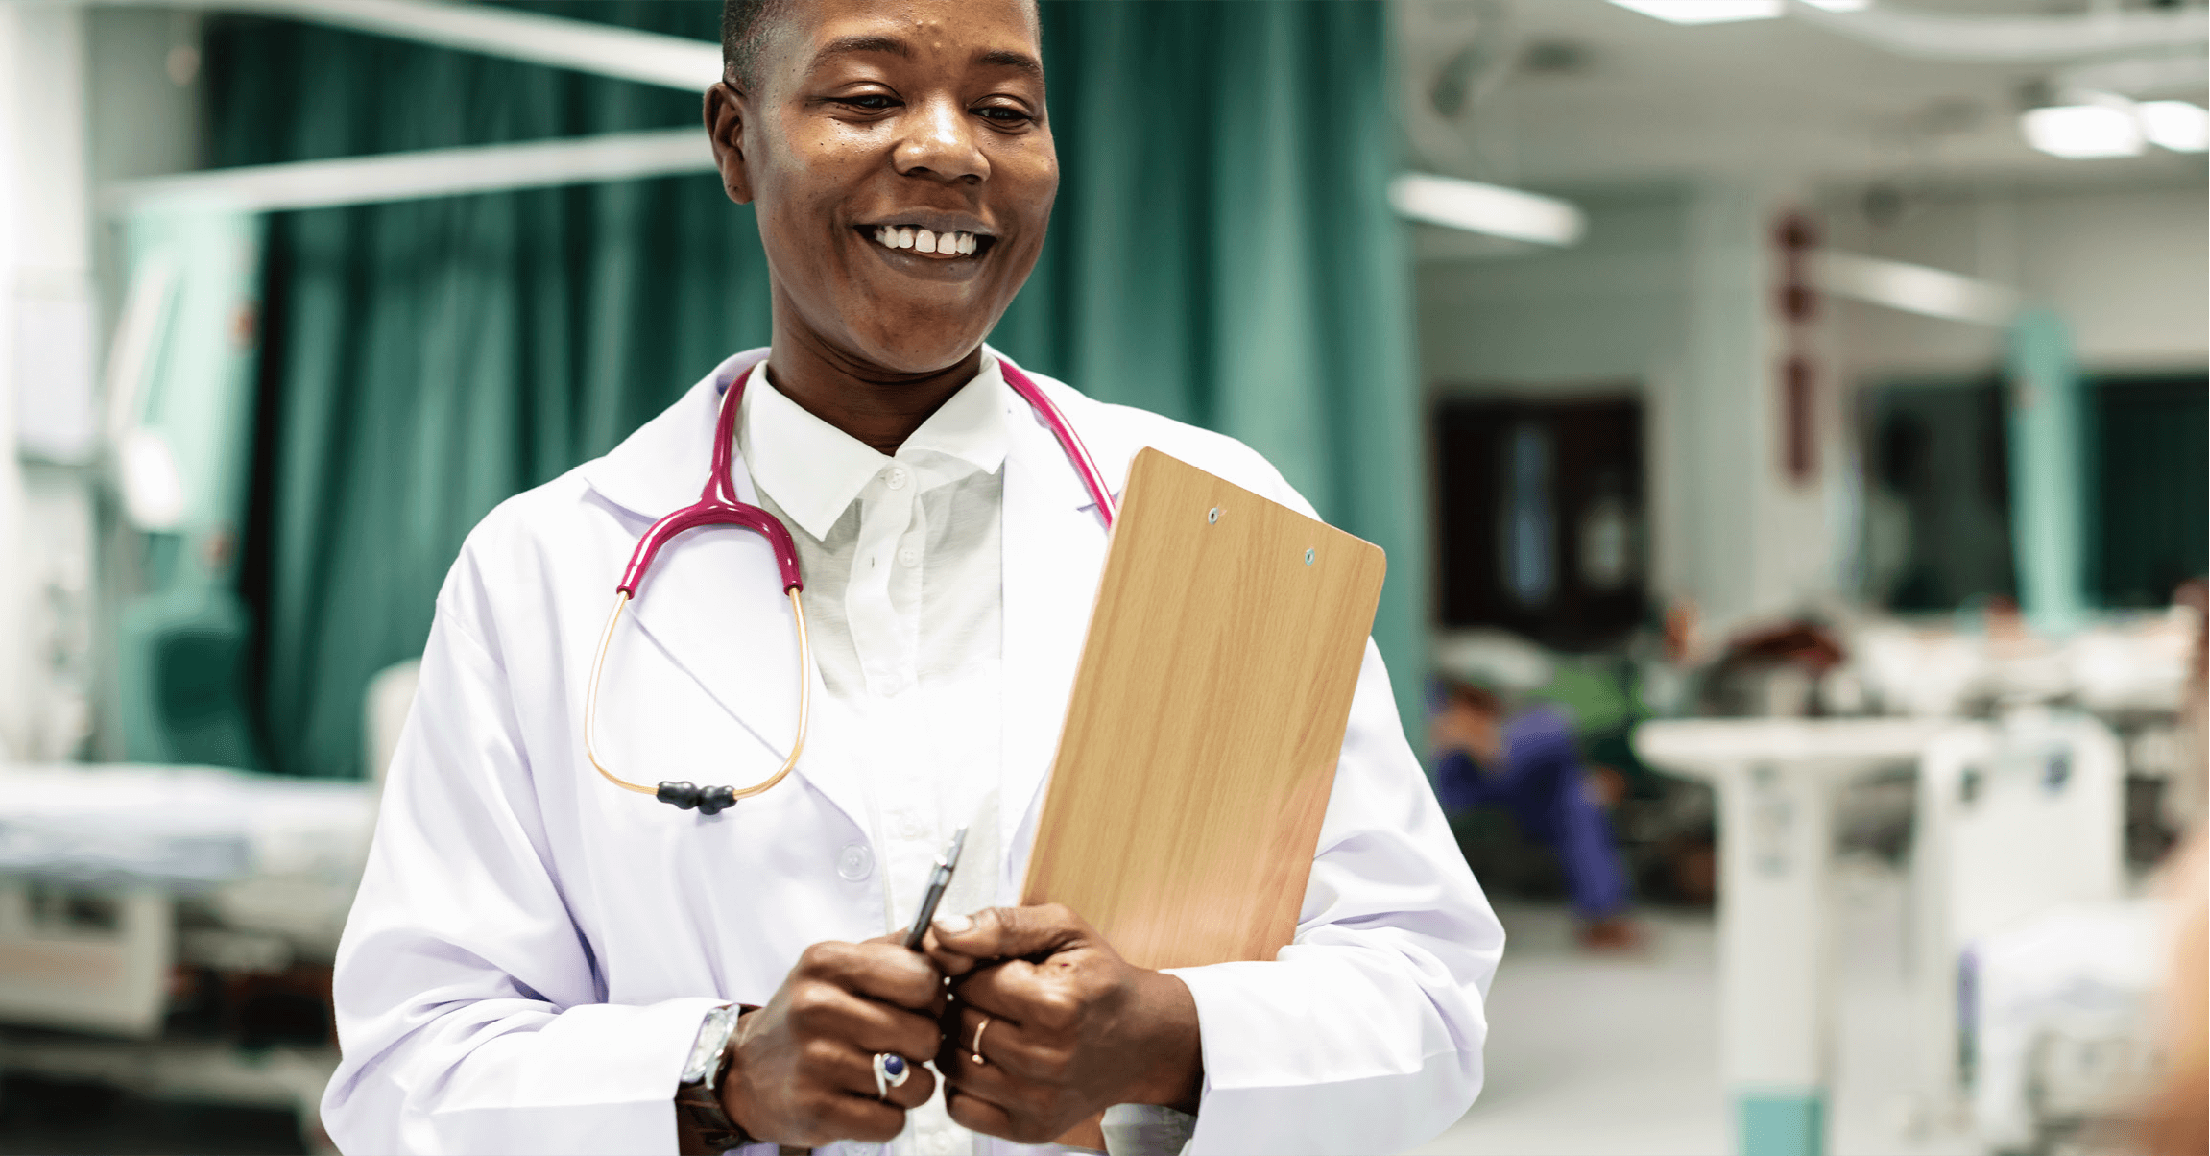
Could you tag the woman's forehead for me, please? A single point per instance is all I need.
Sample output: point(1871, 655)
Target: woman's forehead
point(989, 33)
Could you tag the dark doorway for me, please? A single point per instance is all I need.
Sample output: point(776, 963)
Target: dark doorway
point(2151, 502)
point(1539, 507)
point(1937, 495)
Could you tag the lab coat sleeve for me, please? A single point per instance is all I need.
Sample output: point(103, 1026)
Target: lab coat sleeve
point(1365, 1034)
point(468, 1007)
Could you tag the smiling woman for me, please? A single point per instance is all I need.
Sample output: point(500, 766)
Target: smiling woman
point(426, 360)
point(866, 123)
point(537, 961)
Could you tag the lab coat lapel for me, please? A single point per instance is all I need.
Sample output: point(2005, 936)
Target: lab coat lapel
point(1054, 551)
point(713, 604)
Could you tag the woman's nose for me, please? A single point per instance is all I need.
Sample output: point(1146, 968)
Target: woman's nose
point(941, 143)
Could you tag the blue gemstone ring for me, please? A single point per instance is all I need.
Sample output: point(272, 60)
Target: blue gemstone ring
point(891, 1071)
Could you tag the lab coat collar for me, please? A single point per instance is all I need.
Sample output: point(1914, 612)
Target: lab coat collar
point(662, 467)
point(1090, 420)
point(1054, 550)
point(815, 471)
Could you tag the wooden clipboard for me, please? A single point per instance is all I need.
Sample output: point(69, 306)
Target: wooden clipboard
point(1206, 719)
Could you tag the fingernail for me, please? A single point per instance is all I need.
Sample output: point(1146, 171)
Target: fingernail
point(953, 924)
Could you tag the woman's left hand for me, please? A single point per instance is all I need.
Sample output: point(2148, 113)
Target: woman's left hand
point(1068, 1027)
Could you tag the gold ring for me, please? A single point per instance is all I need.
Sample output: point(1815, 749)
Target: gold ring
point(977, 1048)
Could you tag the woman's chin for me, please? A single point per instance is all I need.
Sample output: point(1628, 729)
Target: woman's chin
point(910, 355)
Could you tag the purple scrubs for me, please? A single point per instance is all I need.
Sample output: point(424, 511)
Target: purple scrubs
point(1543, 785)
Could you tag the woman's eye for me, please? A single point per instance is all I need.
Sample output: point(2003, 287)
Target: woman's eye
point(1002, 114)
point(869, 102)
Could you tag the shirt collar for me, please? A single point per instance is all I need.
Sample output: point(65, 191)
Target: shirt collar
point(814, 470)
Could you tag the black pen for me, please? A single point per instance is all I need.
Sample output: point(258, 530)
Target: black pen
point(939, 879)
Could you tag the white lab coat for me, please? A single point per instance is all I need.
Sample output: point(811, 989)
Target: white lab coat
point(532, 949)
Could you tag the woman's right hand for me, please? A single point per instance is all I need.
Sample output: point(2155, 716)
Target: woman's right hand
point(803, 1072)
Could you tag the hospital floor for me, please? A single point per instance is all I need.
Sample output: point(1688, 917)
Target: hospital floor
point(1618, 1055)
point(1587, 1055)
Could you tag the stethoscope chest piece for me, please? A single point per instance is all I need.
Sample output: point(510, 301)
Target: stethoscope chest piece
point(707, 800)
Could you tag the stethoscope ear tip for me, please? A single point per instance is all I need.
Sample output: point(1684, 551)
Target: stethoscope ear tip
point(707, 800)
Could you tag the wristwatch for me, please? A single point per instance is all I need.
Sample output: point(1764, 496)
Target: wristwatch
point(698, 1095)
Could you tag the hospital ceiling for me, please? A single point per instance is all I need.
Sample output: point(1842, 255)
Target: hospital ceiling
point(1567, 94)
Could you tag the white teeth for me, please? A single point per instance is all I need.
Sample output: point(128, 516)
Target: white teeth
point(944, 244)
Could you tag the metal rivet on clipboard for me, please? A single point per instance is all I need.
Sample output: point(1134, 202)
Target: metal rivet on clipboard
point(1213, 515)
point(1309, 555)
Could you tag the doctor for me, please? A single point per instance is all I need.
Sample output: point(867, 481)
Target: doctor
point(539, 961)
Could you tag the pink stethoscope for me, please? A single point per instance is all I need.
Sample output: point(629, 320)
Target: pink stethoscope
point(717, 505)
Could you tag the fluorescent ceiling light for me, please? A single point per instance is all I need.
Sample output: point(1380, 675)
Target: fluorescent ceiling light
point(1704, 11)
point(1840, 5)
point(1912, 288)
point(1483, 208)
point(646, 57)
point(623, 156)
point(2175, 124)
point(2082, 131)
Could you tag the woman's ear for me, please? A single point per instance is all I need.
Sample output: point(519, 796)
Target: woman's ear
point(725, 113)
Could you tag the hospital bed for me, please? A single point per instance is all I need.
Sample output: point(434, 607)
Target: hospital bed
point(2018, 823)
point(117, 882)
point(2030, 965)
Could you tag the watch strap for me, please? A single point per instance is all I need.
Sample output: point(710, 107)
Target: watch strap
point(700, 1104)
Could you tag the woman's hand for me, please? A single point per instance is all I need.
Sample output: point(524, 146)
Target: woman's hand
point(1069, 1028)
point(804, 1071)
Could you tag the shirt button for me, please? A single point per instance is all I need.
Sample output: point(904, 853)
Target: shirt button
point(856, 863)
point(909, 557)
point(895, 478)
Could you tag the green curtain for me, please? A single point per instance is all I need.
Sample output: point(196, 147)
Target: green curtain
point(2150, 501)
point(1222, 252)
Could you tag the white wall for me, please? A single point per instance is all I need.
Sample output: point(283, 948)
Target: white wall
point(1599, 314)
point(46, 317)
point(1671, 295)
point(2124, 266)
point(86, 96)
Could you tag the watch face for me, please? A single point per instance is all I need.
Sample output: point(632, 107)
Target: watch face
point(713, 1036)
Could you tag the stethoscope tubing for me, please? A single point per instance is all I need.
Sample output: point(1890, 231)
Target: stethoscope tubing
point(718, 505)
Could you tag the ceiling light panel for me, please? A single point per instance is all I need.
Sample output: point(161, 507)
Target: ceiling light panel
point(1495, 210)
point(2175, 125)
point(2083, 131)
point(1704, 11)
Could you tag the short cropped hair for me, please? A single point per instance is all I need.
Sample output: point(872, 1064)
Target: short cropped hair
point(743, 25)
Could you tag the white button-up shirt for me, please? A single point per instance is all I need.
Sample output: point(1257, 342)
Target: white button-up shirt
point(901, 560)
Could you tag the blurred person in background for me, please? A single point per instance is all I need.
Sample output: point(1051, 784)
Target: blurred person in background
point(1775, 670)
point(1527, 763)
